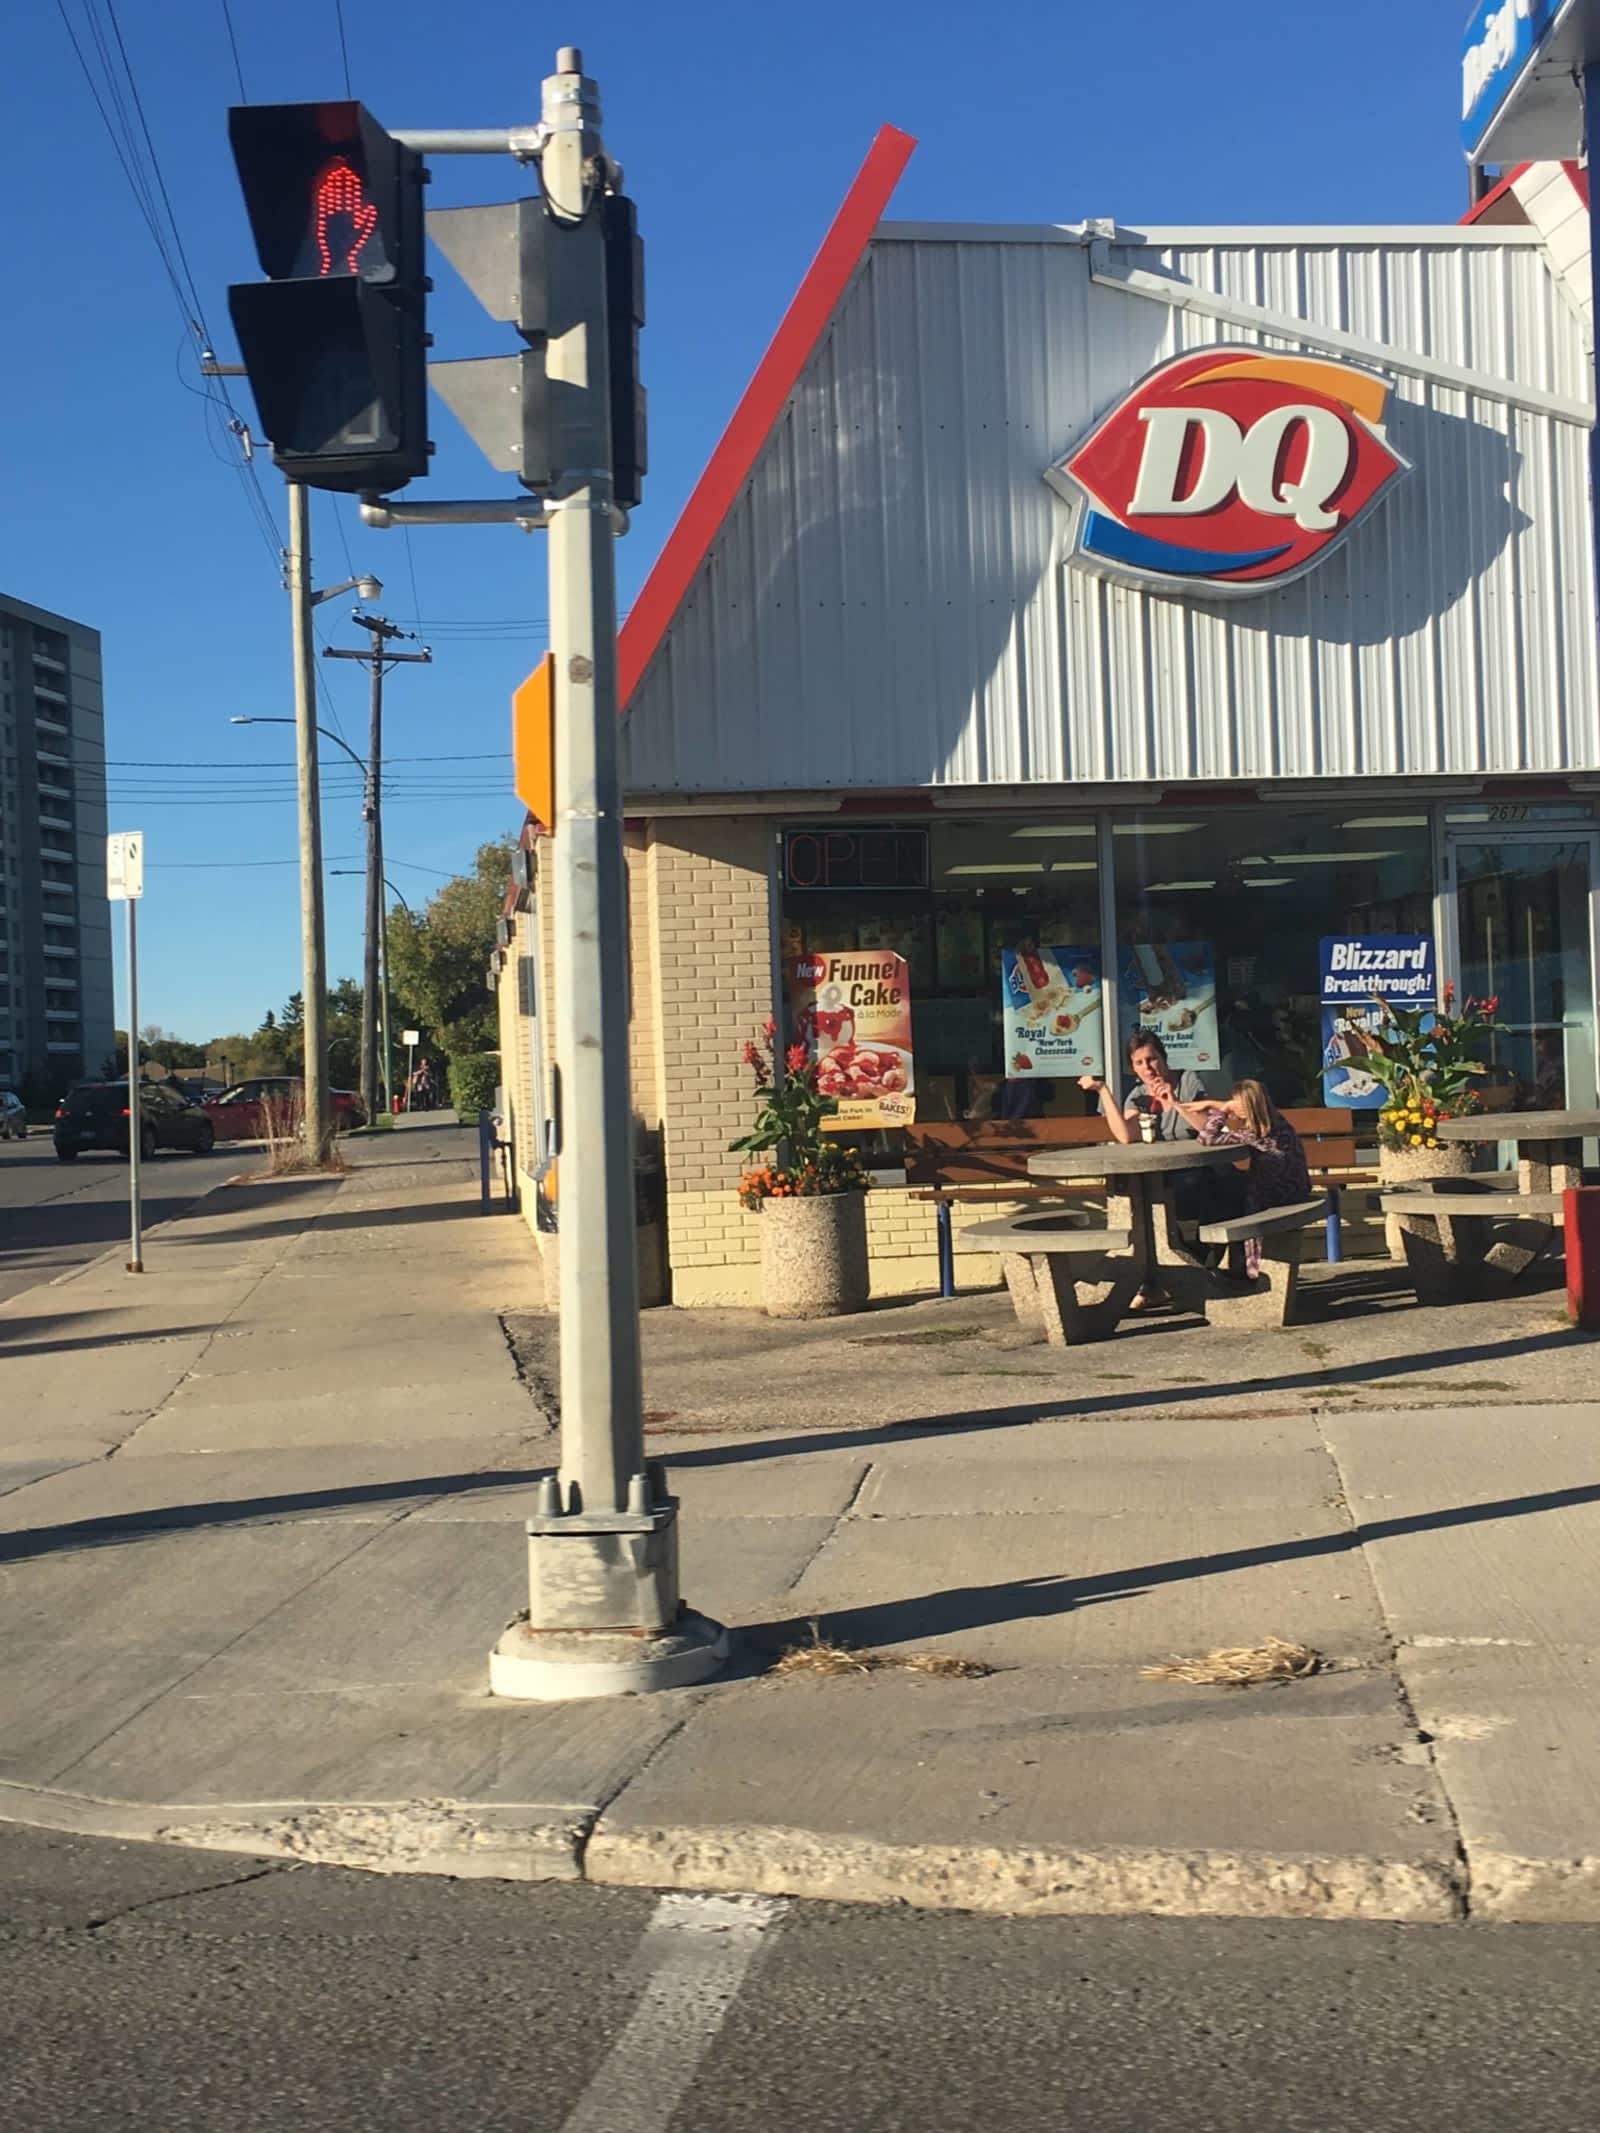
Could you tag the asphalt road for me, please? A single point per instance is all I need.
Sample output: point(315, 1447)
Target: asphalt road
point(166, 1991)
point(54, 1215)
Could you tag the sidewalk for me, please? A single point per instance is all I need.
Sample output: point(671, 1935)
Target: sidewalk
point(259, 1526)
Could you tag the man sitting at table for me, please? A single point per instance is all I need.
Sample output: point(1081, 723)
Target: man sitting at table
point(1178, 1108)
point(1154, 1094)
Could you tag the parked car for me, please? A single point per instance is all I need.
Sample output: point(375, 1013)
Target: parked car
point(13, 1118)
point(242, 1112)
point(96, 1115)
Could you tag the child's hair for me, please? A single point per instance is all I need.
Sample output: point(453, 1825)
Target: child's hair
point(1259, 1112)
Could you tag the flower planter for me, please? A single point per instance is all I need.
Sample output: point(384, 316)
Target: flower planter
point(814, 1255)
point(1411, 1166)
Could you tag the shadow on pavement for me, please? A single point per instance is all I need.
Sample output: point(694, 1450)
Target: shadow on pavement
point(352, 1218)
point(961, 1607)
point(929, 1614)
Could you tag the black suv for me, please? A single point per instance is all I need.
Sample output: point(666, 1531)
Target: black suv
point(95, 1115)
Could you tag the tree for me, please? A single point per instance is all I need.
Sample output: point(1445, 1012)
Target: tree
point(437, 957)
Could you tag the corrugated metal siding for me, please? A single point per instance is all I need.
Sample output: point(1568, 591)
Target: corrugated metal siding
point(887, 605)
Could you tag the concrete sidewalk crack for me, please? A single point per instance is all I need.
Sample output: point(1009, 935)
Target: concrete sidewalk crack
point(846, 1511)
point(1420, 1736)
point(600, 1807)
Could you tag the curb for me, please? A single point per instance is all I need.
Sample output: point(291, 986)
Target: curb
point(522, 1842)
point(462, 1839)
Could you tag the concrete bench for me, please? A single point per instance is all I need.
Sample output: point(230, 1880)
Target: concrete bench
point(1046, 1258)
point(1271, 1298)
point(1448, 1248)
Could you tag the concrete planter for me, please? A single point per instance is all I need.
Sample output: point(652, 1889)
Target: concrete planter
point(814, 1256)
point(1407, 1166)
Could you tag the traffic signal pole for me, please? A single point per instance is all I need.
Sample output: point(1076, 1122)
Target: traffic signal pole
point(313, 935)
point(604, 1613)
point(333, 344)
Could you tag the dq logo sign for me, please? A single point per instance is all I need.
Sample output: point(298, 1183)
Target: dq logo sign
point(1229, 471)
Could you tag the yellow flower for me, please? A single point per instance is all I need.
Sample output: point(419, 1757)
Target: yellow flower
point(1416, 1140)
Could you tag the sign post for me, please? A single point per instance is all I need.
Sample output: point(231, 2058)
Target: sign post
point(410, 1038)
point(125, 885)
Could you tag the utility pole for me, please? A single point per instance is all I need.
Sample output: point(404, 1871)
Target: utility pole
point(313, 940)
point(375, 973)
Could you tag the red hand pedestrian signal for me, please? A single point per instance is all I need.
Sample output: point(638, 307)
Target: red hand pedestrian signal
point(339, 199)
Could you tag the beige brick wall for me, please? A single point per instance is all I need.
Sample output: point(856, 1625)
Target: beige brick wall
point(710, 902)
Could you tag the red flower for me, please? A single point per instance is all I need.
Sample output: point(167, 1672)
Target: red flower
point(1449, 991)
point(750, 1056)
point(770, 1030)
point(796, 1059)
point(1491, 1006)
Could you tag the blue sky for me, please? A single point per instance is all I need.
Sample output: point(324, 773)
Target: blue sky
point(740, 127)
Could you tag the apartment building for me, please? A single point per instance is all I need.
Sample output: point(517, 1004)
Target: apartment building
point(56, 1006)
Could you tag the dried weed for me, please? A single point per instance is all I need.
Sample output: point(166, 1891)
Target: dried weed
point(1243, 1666)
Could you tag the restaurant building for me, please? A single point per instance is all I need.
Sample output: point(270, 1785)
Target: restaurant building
point(1135, 608)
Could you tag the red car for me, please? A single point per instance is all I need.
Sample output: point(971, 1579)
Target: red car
point(244, 1112)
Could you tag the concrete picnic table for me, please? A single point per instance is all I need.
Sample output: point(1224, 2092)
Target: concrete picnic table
point(1446, 1225)
point(1135, 1252)
point(1549, 1143)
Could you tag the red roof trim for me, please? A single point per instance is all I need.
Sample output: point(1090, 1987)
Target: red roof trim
point(1495, 192)
point(1580, 180)
point(777, 374)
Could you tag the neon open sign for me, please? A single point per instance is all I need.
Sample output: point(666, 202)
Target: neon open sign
point(855, 859)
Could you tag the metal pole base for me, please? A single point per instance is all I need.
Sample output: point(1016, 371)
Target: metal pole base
point(562, 1665)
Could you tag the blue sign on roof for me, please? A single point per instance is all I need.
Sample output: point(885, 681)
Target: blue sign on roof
point(1502, 39)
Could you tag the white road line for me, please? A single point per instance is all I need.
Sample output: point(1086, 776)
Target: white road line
point(695, 1953)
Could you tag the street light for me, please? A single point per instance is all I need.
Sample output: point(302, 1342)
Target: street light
point(369, 589)
point(359, 874)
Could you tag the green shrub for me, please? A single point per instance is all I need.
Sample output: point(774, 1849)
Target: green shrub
point(474, 1077)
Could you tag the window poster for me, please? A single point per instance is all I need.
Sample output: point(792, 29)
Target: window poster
point(852, 1012)
point(1170, 989)
point(1052, 1002)
point(1358, 970)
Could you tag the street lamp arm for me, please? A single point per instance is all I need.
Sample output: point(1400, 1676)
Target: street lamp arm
point(337, 739)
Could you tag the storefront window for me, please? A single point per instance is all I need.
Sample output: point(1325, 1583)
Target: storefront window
point(1219, 916)
point(951, 898)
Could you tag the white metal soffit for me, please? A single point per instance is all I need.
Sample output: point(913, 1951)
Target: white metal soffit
point(888, 606)
point(1554, 207)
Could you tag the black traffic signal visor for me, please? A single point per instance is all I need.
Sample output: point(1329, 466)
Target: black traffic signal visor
point(323, 186)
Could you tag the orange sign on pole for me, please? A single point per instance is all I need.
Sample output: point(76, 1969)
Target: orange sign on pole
point(533, 742)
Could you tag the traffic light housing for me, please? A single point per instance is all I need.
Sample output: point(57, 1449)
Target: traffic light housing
point(335, 340)
point(624, 317)
point(525, 266)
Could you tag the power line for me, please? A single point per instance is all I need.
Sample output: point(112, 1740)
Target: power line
point(411, 565)
point(233, 46)
point(145, 185)
point(344, 49)
point(152, 762)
